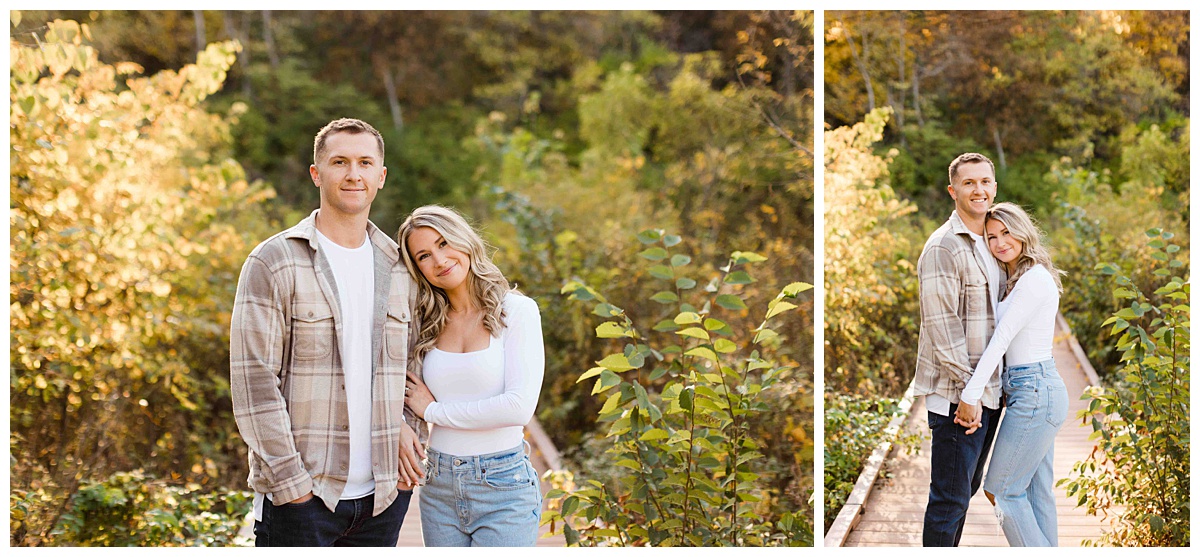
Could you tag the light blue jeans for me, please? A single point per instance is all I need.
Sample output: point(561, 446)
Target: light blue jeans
point(1021, 473)
point(491, 500)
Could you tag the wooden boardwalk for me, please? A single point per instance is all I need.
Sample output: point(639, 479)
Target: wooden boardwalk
point(893, 509)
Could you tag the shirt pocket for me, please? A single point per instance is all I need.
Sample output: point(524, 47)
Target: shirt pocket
point(395, 335)
point(975, 294)
point(313, 331)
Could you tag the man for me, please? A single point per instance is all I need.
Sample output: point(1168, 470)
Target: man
point(960, 283)
point(319, 343)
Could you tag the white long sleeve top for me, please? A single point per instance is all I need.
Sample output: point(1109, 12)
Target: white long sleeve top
point(1024, 329)
point(485, 397)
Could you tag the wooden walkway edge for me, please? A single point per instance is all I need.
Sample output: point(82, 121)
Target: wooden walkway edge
point(889, 511)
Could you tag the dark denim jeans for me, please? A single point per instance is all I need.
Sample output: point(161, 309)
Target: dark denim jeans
point(310, 524)
point(956, 468)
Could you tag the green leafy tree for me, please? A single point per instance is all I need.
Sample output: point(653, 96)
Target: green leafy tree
point(1141, 474)
point(680, 414)
point(128, 224)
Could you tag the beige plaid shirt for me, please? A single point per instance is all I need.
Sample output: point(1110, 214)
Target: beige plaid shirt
point(285, 367)
point(957, 315)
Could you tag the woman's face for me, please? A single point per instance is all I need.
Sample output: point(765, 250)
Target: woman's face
point(1003, 245)
point(442, 265)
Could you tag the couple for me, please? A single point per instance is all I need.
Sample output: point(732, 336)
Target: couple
point(988, 291)
point(344, 344)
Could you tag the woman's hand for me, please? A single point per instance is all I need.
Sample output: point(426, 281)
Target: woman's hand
point(969, 416)
point(417, 396)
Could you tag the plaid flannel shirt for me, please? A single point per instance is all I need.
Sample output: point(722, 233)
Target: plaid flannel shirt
point(286, 376)
point(957, 315)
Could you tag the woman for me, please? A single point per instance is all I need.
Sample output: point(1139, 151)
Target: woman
point(482, 360)
point(1020, 478)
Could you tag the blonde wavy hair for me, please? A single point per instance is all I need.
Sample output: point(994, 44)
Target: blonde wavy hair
point(1034, 250)
point(487, 284)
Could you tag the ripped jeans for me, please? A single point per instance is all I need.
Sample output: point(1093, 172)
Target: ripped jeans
point(1021, 473)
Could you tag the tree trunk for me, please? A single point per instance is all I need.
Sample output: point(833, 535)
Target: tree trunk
point(999, 148)
point(243, 58)
point(201, 42)
point(916, 90)
point(860, 63)
point(389, 83)
point(269, 39)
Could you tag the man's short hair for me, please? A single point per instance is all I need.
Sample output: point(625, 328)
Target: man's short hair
point(343, 125)
point(966, 158)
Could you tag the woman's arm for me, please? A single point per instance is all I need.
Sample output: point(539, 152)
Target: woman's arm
point(524, 366)
point(1033, 290)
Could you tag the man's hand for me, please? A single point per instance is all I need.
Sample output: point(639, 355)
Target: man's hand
point(417, 396)
point(969, 416)
point(411, 454)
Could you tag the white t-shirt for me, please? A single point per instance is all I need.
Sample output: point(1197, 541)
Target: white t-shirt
point(485, 397)
point(354, 271)
point(1024, 329)
point(934, 402)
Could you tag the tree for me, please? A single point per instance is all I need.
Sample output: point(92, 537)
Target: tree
point(128, 226)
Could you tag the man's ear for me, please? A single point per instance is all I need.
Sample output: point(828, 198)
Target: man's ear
point(316, 177)
point(949, 188)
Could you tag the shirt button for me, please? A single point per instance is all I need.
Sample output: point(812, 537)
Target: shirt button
point(345, 428)
point(310, 314)
point(343, 467)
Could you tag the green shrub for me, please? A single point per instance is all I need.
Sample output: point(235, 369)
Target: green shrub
point(131, 509)
point(680, 412)
point(854, 426)
point(1142, 471)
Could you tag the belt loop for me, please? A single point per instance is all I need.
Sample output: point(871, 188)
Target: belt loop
point(527, 449)
point(478, 468)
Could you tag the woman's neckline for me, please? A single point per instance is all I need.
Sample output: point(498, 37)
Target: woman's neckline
point(491, 341)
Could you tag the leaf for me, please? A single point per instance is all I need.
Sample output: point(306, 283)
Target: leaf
point(687, 318)
point(684, 283)
point(665, 297)
point(649, 236)
point(679, 260)
point(654, 254)
point(730, 301)
point(702, 352)
point(662, 272)
point(714, 324)
point(616, 362)
point(611, 405)
point(606, 381)
point(694, 332)
point(666, 326)
point(777, 307)
point(590, 374)
point(671, 240)
point(653, 434)
point(724, 346)
point(795, 288)
point(739, 277)
point(740, 257)
point(609, 329)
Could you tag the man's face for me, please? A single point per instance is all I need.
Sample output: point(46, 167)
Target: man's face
point(973, 189)
point(349, 173)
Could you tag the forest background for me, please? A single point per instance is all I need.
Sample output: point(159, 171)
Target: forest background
point(1086, 117)
point(152, 150)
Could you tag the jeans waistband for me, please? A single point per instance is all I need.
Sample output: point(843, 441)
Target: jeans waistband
point(439, 461)
point(1035, 367)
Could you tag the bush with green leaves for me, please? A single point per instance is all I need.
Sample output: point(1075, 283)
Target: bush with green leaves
point(1141, 472)
point(680, 411)
point(854, 426)
point(133, 509)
